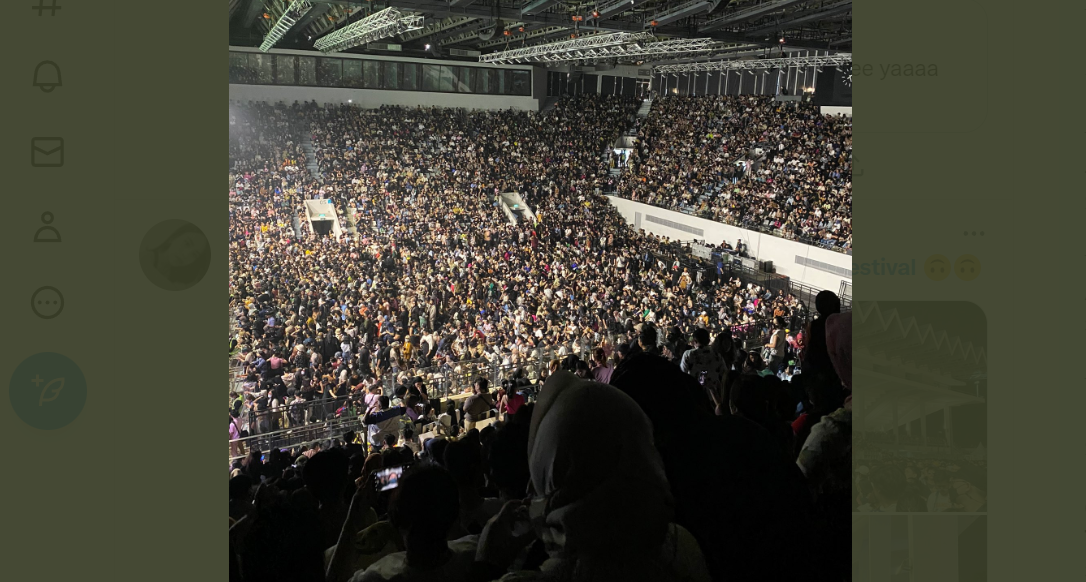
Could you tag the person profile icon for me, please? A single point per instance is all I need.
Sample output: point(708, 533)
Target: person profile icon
point(47, 233)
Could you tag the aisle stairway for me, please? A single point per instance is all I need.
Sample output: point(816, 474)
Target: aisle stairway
point(314, 172)
point(310, 158)
point(646, 106)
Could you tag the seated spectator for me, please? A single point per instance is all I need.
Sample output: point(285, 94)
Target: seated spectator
point(581, 508)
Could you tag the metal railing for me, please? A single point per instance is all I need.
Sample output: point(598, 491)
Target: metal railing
point(294, 437)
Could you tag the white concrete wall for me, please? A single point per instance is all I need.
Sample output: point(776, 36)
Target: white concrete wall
point(373, 98)
point(836, 110)
point(764, 247)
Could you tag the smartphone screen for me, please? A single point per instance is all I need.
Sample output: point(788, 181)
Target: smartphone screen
point(389, 478)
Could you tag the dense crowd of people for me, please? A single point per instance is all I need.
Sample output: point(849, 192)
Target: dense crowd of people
point(700, 155)
point(673, 452)
point(434, 274)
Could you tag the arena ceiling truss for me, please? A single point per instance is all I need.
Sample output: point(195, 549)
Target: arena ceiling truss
point(475, 29)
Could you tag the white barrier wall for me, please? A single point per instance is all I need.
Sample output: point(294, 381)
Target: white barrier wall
point(764, 247)
point(835, 110)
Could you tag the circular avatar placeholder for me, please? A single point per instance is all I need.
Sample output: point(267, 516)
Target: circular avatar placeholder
point(175, 255)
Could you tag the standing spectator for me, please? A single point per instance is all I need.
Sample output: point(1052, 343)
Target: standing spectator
point(703, 363)
point(478, 404)
point(601, 372)
point(778, 346)
point(382, 420)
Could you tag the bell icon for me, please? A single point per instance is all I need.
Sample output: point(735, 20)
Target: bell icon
point(47, 76)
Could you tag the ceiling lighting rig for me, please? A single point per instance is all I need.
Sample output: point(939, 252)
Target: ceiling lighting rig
point(290, 17)
point(383, 24)
point(835, 60)
point(544, 52)
point(628, 46)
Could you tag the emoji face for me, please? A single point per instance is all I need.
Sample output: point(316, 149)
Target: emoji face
point(937, 267)
point(967, 267)
point(47, 302)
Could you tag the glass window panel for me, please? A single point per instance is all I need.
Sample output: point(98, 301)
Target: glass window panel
point(284, 70)
point(391, 75)
point(307, 70)
point(522, 82)
point(262, 65)
point(482, 81)
point(448, 79)
point(372, 75)
point(431, 77)
point(410, 77)
point(239, 68)
point(329, 72)
point(591, 84)
point(496, 78)
point(467, 79)
point(352, 73)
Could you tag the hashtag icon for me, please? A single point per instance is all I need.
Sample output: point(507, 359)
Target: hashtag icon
point(41, 8)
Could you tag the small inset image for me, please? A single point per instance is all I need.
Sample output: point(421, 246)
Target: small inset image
point(175, 255)
point(919, 400)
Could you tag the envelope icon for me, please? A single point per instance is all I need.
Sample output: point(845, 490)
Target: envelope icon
point(47, 152)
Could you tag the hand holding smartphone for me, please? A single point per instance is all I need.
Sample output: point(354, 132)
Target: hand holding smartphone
point(388, 479)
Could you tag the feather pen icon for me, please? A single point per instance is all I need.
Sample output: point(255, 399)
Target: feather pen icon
point(54, 392)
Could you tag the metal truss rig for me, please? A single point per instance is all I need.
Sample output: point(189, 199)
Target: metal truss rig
point(542, 52)
point(836, 60)
point(383, 24)
point(684, 47)
point(290, 17)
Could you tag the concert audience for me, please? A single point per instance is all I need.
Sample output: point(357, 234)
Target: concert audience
point(626, 468)
point(783, 168)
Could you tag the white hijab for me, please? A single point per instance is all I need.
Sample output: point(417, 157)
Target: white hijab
point(608, 504)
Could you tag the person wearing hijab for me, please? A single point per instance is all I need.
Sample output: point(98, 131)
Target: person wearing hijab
point(601, 517)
